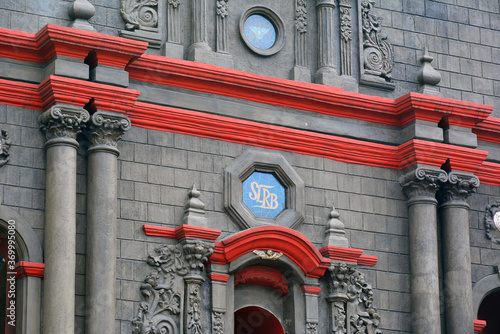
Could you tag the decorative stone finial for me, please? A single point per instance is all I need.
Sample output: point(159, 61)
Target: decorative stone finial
point(428, 77)
point(335, 231)
point(81, 11)
point(194, 210)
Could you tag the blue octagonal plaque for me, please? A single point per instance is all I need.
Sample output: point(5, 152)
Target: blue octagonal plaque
point(264, 195)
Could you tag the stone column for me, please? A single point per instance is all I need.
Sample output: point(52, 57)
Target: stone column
point(60, 124)
point(196, 253)
point(337, 297)
point(326, 74)
point(420, 186)
point(312, 310)
point(218, 278)
point(456, 252)
point(106, 128)
point(200, 50)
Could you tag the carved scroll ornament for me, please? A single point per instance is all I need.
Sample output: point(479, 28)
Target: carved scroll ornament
point(142, 14)
point(162, 297)
point(377, 51)
point(4, 147)
point(492, 222)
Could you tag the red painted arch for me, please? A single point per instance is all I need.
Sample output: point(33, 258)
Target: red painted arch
point(278, 239)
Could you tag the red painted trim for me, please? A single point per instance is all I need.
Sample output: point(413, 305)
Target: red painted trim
point(479, 325)
point(315, 290)
point(31, 269)
point(181, 232)
point(367, 260)
point(347, 254)
point(489, 173)
point(189, 231)
point(159, 231)
point(263, 276)
point(54, 40)
point(488, 130)
point(215, 277)
point(277, 238)
point(20, 94)
point(341, 253)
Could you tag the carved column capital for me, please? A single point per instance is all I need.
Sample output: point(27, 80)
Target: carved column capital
point(106, 129)
point(63, 121)
point(423, 182)
point(325, 3)
point(196, 253)
point(459, 186)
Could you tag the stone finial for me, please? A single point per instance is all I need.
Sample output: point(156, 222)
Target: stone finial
point(428, 77)
point(81, 11)
point(194, 210)
point(335, 231)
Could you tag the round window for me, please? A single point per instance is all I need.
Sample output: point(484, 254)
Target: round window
point(262, 31)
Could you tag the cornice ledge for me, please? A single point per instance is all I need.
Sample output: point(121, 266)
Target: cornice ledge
point(431, 108)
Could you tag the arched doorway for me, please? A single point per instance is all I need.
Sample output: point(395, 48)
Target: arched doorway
point(488, 311)
point(256, 320)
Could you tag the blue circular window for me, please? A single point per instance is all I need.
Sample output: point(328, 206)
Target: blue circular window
point(260, 32)
point(264, 195)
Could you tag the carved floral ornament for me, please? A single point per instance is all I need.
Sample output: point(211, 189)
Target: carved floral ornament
point(492, 222)
point(4, 147)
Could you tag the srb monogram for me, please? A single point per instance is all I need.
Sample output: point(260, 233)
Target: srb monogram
point(261, 194)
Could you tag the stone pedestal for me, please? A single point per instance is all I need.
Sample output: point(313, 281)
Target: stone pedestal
point(420, 186)
point(456, 252)
point(106, 129)
point(61, 124)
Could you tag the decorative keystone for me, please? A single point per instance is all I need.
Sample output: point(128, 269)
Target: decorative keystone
point(81, 11)
point(428, 77)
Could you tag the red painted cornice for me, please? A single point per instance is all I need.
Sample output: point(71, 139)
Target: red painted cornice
point(216, 277)
point(20, 94)
point(488, 130)
point(315, 290)
point(479, 325)
point(53, 40)
point(347, 254)
point(263, 276)
point(181, 232)
point(30, 269)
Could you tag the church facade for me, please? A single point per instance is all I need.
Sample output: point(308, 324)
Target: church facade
point(228, 166)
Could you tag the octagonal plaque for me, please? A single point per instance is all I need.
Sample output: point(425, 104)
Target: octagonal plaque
point(261, 188)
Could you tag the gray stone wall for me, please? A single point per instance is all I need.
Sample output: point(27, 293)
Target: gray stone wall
point(462, 36)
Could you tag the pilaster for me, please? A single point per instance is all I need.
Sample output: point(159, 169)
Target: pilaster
point(301, 71)
point(105, 129)
point(420, 187)
point(61, 124)
point(456, 251)
point(326, 74)
point(200, 50)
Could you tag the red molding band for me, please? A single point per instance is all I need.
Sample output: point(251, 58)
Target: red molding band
point(29, 269)
point(347, 254)
point(264, 276)
point(216, 277)
point(181, 232)
point(479, 325)
point(315, 290)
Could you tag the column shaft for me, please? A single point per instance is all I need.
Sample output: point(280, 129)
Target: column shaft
point(105, 130)
point(456, 253)
point(420, 186)
point(326, 28)
point(61, 124)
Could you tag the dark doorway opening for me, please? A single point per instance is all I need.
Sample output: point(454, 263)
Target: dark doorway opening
point(488, 311)
point(256, 320)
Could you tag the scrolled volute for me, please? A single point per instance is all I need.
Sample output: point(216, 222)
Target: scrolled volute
point(107, 128)
point(63, 121)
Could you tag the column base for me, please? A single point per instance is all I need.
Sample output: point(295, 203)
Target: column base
point(328, 76)
point(173, 50)
point(301, 73)
point(202, 53)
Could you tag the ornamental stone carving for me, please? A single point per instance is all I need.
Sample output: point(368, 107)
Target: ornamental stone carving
point(351, 301)
point(162, 290)
point(217, 322)
point(267, 255)
point(311, 328)
point(301, 16)
point(196, 253)
point(63, 121)
point(492, 222)
point(345, 36)
point(4, 147)
point(107, 128)
point(427, 76)
point(423, 182)
point(142, 14)
point(377, 56)
point(459, 186)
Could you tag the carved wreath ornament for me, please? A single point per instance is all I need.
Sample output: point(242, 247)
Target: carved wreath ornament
point(492, 222)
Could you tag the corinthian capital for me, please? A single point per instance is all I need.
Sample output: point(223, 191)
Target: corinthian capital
point(63, 121)
point(460, 185)
point(423, 182)
point(107, 128)
point(196, 253)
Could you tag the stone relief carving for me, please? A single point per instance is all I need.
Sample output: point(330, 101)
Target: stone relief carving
point(268, 255)
point(459, 186)
point(63, 121)
point(217, 322)
point(142, 14)
point(162, 294)
point(194, 310)
point(423, 182)
point(311, 328)
point(377, 56)
point(4, 147)
point(492, 222)
point(345, 36)
point(301, 16)
point(352, 301)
